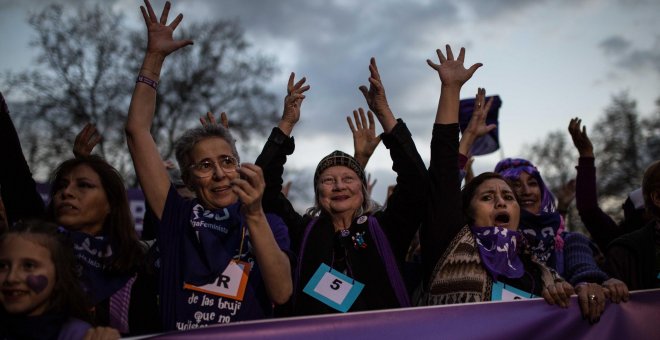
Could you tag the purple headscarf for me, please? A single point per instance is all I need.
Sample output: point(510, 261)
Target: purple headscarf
point(511, 168)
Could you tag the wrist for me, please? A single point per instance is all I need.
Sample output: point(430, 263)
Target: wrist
point(451, 87)
point(152, 65)
point(286, 127)
point(254, 216)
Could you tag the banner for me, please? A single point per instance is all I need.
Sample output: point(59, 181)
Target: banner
point(638, 318)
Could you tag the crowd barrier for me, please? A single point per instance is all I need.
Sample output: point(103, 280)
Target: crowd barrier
point(639, 318)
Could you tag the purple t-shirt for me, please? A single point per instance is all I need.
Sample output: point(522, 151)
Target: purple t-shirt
point(196, 246)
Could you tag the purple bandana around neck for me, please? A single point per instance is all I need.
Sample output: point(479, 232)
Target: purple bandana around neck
point(498, 248)
point(215, 229)
point(92, 254)
point(541, 232)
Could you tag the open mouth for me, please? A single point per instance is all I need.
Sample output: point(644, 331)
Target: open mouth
point(340, 198)
point(501, 218)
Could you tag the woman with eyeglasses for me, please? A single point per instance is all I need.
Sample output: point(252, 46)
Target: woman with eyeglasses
point(222, 258)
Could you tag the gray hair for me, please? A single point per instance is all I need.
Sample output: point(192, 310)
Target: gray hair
point(367, 207)
point(184, 145)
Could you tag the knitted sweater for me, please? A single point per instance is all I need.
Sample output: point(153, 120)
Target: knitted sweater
point(579, 263)
point(460, 277)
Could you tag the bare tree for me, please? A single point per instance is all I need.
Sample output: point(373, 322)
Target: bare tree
point(617, 138)
point(86, 69)
point(554, 156)
point(77, 78)
point(651, 136)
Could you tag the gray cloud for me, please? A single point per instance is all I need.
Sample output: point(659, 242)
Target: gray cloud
point(614, 45)
point(38, 4)
point(632, 59)
point(336, 40)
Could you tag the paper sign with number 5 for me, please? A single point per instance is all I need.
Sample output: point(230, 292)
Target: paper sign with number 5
point(333, 288)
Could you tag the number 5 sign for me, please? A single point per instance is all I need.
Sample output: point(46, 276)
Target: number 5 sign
point(333, 288)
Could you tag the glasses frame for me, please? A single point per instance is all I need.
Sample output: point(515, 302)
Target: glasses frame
point(195, 167)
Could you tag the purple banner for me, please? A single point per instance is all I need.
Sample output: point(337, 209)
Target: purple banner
point(639, 318)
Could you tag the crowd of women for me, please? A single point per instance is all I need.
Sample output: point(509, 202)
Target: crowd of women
point(234, 248)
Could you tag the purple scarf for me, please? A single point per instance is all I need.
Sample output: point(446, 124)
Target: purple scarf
point(215, 230)
point(92, 254)
point(498, 248)
point(543, 233)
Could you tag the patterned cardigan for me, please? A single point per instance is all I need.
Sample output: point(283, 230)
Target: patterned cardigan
point(459, 276)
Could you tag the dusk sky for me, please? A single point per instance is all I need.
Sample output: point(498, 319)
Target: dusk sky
point(549, 61)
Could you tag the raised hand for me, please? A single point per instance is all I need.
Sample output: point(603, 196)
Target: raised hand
point(580, 139)
point(477, 126)
point(160, 40)
point(86, 140)
point(210, 119)
point(365, 139)
point(250, 188)
point(565, 195)
point(371, 184)
point(292, 102)
point(376, 98)
point(451, 71)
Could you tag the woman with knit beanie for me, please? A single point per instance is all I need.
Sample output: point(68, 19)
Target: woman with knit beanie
point(348, 252)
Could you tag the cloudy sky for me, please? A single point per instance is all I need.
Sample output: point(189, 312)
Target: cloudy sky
point(548, 60)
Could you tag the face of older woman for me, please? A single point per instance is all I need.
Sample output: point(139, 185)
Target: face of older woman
point(340, 190)
point(214, 189)
point(494, 204)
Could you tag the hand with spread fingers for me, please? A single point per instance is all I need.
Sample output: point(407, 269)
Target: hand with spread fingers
point(160, 39)
point(558, 293)
point(365, 139)
point(452, 75)
point(591, 297)
point(86, 140)
point(451, 71)
point(580, 139)
point(292, 102)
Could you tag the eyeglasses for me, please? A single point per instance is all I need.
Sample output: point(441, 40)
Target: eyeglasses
point(205, 168)
point(332, 181)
